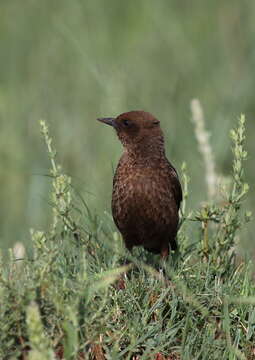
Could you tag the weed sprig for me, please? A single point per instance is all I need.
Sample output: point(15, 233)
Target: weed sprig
point(63, 302)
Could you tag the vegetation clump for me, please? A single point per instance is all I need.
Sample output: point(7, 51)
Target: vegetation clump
point(62, 303)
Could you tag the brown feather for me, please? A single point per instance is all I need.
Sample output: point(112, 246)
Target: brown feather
point(146, 189)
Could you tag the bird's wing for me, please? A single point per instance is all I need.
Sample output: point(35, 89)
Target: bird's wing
point(177, 190)
point(175, 185)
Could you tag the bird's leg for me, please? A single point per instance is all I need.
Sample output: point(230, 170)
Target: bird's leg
point(164, 253)
point(121, 284)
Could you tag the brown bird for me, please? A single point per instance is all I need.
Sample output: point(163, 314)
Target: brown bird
point(146, 190)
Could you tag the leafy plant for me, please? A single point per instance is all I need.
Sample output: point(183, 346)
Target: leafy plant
point(63, 302)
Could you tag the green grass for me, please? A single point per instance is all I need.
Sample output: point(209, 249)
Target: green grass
point(62, 300)
point(71, 62)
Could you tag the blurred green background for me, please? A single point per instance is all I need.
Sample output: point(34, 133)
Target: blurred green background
point(70, 62)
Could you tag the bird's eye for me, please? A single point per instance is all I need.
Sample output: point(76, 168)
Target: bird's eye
point(126, 122)
point(155, 122)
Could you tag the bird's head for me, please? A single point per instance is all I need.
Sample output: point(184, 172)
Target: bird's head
point(138, 131)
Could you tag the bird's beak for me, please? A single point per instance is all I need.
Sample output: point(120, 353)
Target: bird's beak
point(108, 121)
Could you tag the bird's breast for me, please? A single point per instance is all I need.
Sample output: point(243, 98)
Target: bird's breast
point(143, 195)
